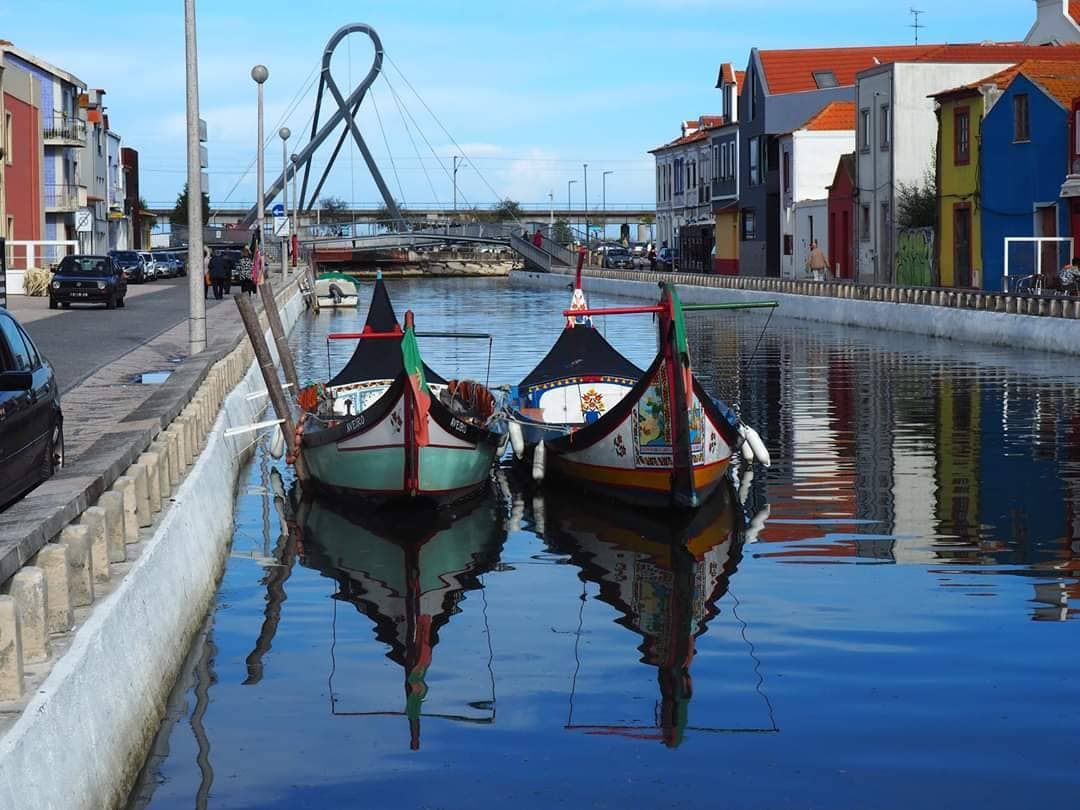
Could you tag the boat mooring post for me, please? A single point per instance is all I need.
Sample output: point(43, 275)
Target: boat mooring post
point(270, 379)
point(266, 291)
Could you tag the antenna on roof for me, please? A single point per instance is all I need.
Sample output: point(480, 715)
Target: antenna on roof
point(916, 13)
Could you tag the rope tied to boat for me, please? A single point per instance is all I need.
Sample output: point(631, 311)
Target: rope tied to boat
point(294, 447)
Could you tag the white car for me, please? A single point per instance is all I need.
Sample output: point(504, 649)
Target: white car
point(150, 265)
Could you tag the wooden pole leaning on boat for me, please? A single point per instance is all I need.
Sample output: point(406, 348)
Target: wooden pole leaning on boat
point(266, 291)
point(270, 379)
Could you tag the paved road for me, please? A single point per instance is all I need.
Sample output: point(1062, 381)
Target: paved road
point(81, 340)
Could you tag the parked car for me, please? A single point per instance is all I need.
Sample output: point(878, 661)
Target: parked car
point(176, 265)
point(163, 265)
point(31, 420)
point(130, 263)
point(667, 260)
point(149, 265)
point(618, 257)
point(87, 280)
point(181, 263)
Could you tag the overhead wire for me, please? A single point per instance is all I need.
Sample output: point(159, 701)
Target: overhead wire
point(386, 141)
point(408, 131)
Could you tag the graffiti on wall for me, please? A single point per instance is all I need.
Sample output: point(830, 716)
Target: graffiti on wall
point(915, 258)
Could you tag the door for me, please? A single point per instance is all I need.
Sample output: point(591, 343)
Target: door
point(18, 417)
point(1047, 225)
point(1074, 217)
point(845, 244)
point(961, 246)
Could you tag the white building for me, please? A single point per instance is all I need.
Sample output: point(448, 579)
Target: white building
point(808, 158)
point(1057, 22)
point(683, 179)
point(895, 150)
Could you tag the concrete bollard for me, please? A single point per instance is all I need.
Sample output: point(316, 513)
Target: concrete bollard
point(161, 447)
point(191, 433)
point(11, 660)
point(1010, 304)
point(1044, 307)
point(80, 565)
point(125, 485)
point(176, 432)
point(152, 462)
point(173, 442)
point(27, 588)
point(142, 494)
point(113, 504)
point(94, 521)
point(1055, 308)
point(52, 562)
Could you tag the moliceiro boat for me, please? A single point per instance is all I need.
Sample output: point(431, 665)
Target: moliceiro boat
point(387, 426)
point(651, 437)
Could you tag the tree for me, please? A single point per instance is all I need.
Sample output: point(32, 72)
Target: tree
point(561, 232)
point(333, 205)
point(386, 219)
point(507, 210)
point(917, 203)
point(179, 215)
point(144, 212)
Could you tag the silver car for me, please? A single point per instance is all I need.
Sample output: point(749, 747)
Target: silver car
point(150, 268)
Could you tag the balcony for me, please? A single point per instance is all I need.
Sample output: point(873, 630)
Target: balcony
point(64, 198)
point(63, 130)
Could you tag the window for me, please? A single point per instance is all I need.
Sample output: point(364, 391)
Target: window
point(962, 136)
point(18, 353)
point(11, 228)
point(789, 244)
point(755, 158)
point(885, 126)
point(1021, 128)
point(31, 349)
point(825, 78)
point(787, 172)
point(1076, 133)
point(885, 237)
point(9, 139)
point(864, 224)
point(716, 161)
point(749, 225)
point(864, 130)
point(751, 93)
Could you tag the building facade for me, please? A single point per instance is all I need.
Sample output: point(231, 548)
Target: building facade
point(683, 185)
point(22, 212)
point(842, 218)
point(725, 174)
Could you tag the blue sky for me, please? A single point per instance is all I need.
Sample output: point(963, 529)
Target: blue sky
point(529, 91)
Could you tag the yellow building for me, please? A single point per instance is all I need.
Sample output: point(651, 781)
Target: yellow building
point(959, 234)
point(726, 260)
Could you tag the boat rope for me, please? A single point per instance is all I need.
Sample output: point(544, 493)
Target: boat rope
point(577, 651)
point(757, 661)
point(294, 449)
point(757, 345)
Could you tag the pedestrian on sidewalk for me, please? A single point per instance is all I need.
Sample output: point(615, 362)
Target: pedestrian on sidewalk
point(817, 263)
point(538, 239)
point(219, 274)
point(244, 272)
point(206, 272)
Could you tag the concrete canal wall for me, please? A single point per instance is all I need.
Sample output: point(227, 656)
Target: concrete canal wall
point(118, 632)
point(997, 320)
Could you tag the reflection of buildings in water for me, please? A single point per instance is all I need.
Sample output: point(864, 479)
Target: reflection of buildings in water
point(664, 574)
point(409, 573)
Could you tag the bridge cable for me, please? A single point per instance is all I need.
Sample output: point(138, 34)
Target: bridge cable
point(386, 141)
point(446, 132)
point(412, 140)
point(434, 152)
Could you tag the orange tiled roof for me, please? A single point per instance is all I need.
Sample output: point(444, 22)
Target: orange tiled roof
point(793, 71)
point(727, 74)
point(836, 116)
point(1059, 79)
point(1001, 79)
point(740, 80)
point(711, 121)
point(692, 137)
point(1074, 10)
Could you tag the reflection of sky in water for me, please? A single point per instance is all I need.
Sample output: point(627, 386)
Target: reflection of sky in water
point(923, 511)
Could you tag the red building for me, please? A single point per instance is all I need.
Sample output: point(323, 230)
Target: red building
point(24, 213)
point(842, 217)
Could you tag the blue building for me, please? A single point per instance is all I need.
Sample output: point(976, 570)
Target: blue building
point(1023, 159)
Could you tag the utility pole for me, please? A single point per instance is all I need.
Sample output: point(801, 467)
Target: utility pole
point(916, 13)
point(295, 212)
point(570, 206)
point(260, 74)
point(196, 291)
point(551, 215)
point(285, 133)
point(455, 183)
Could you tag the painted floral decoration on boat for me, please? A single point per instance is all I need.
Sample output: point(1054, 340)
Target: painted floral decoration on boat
point(592, 401)
point(620, 446)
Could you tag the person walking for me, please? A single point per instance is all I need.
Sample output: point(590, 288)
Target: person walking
point(219, 274)
point(817, 262)
point(244, 272)
point(538, 239)
point(206, 272)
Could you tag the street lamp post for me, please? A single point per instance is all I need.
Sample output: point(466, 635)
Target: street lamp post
point(285, 133)
point(570, 206)
point(603, 184)
point(551, 215)
point(260, 74)
point(586, 167)
point(295, 208)
point(455, 183)
point(196, 291)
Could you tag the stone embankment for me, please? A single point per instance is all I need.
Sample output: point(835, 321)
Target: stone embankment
point(105, 584)
point(1046, 323)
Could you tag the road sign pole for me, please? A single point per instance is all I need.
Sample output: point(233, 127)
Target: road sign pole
point(196, 290)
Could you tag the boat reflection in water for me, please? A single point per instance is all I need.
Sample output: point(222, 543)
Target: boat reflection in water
point(664, 574)
point(408, 569)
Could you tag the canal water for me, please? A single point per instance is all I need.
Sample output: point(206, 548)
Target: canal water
point(886, 618)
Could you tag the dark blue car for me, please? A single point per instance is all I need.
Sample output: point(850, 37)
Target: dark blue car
point(87, 280)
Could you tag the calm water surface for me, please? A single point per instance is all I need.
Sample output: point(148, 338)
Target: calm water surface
point(887, 618)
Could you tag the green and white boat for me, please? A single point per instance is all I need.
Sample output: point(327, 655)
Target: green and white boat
point(387, 426)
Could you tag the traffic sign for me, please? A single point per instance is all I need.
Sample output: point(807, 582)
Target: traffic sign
point(278, 210)
point(281, 226)
point(84, 220)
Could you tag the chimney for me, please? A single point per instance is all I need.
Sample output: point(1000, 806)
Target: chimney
point(1053, 24)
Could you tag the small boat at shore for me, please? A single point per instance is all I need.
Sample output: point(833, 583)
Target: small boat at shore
point(651, 437)
point(387, 426)
point(336, 290)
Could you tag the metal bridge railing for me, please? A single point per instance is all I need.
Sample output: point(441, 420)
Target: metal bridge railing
point(535, 258)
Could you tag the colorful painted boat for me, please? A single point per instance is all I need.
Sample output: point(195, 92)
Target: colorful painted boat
point(336, 290)
point(387, 426)
point(650, 437)
point(409, 571)
point(664, 575)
